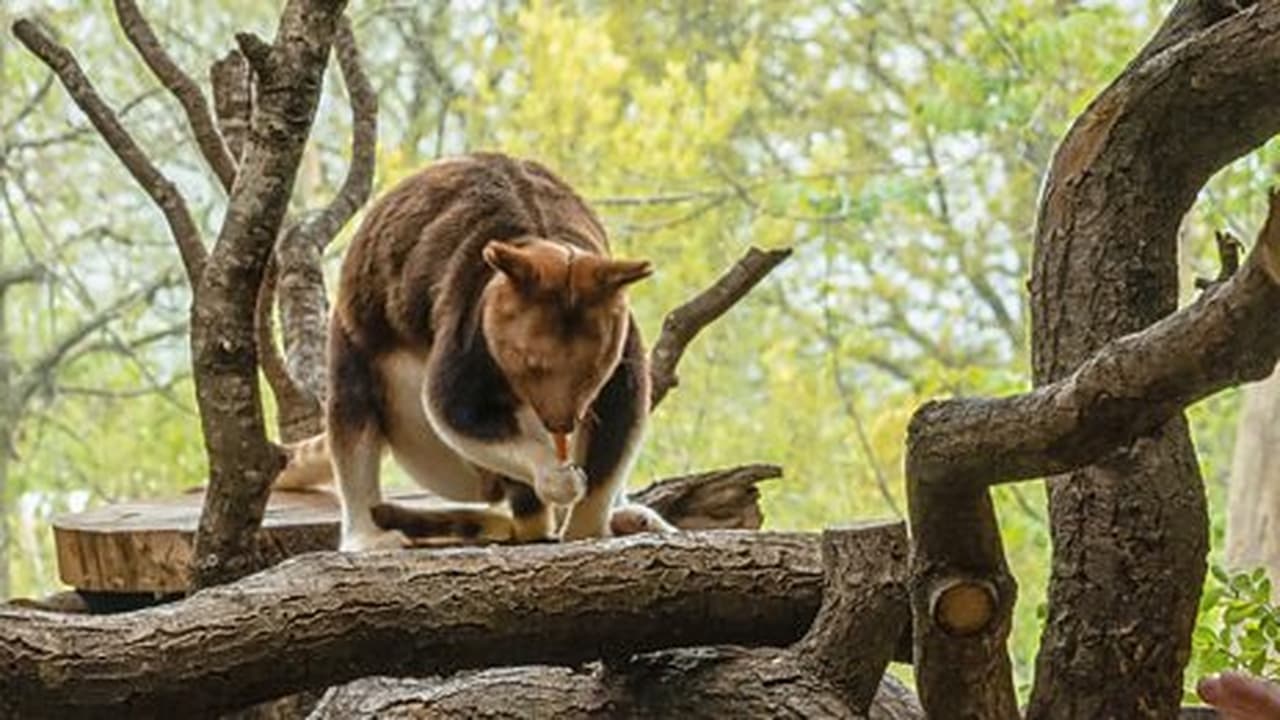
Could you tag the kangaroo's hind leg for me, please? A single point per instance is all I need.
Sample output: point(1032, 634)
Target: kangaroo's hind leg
point(356, 442)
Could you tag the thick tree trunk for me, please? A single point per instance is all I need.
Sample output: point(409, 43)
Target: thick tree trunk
point(1253, 507)
point(327, 618)
point(962, 593)
point(1130, 532)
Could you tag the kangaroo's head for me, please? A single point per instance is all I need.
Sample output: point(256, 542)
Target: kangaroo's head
point(555, 319)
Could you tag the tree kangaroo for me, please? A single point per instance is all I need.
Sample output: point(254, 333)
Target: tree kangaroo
point(481, 332)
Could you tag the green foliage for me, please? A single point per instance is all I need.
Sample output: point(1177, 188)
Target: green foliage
point(1238, 627)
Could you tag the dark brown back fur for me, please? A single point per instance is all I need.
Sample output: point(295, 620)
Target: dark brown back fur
point(427, 234)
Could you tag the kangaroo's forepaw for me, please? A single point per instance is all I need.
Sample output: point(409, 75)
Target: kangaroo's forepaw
point(561, 485)
point(633, 518)
point(374, 540)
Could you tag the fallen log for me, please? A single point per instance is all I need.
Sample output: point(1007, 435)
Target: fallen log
point(134, 554)
point(327, 618)
point(835, 671)
point(595, 692)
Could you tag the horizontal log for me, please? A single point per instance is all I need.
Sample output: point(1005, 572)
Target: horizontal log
point(144, 547)
point(711, 683)
point(326, 618)
point(835, 671)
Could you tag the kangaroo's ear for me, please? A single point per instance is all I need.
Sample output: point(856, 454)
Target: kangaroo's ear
point(510, 261)
point(614, 275)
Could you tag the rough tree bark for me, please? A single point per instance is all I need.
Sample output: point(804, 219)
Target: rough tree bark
point(242, 461)
point(835, 671)
point(962, 593)
point(658, 685)
point(326, 618)
point(1130, 532)
point(1253, 506)
point(717, 499)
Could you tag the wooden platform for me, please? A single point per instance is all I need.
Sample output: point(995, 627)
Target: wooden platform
point(145, 546)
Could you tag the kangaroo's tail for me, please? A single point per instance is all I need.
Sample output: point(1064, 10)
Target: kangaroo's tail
point(308, 465)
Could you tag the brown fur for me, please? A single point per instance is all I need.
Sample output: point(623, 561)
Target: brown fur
point(475, 291)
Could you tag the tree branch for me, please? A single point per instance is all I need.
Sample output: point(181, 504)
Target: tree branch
point(358, 183)
point(304, 307)
point(719, 499)
point(299, 414)
point(684, 323)
point(1205, 91)
point(29, 106)
point(242, 462)
point(957, 448)
point(183, 88)
point(431, 612)
point(691, 684)
point(161, 190)
point(1130, 387)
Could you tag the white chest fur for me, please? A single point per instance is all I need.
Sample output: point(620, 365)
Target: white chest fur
point(414, 443)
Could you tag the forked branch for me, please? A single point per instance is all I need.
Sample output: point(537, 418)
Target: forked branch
point(957, 448)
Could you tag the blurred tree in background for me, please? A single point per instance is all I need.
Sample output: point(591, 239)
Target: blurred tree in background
point(899, 147)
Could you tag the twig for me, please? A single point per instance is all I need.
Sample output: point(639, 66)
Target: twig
point(188, 94)
point(1228, 258)
point(358, 183)
point(684, 323)
point(848, 401)
point(157, 186)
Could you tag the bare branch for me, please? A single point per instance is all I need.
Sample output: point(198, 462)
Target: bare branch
point(29, 106)
point(833, 672)
point(1130, 387)
point(182, 87)
point(956, 449)
point(304, 309)
point(157, 186)
point(299, 414)
point(1228, 259)
point(169, 331)
point(358, 183)
point(717, 499)
point(684, 323)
